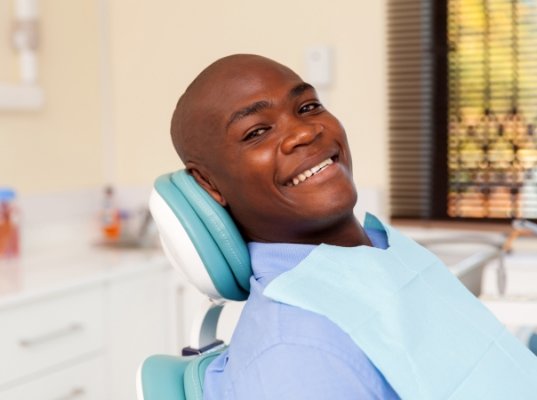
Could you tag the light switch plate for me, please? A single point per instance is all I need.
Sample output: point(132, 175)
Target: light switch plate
point(319, 65)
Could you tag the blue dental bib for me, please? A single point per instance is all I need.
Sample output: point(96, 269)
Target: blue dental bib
point(429, 336)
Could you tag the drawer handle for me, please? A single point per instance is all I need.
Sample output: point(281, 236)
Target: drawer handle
point(54, 335)
point(74, 393)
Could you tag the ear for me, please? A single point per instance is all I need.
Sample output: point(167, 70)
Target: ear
point(203, 179)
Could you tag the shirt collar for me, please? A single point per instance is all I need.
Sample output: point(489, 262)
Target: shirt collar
point(269, 260)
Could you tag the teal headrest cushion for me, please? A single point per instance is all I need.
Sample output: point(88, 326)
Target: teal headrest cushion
point(212, 231)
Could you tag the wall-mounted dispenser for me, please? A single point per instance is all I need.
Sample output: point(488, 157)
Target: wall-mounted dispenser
point(23, 36)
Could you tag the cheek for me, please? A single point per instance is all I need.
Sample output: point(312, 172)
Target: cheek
point(255, 168)
point(263, 159)
point(247, 180)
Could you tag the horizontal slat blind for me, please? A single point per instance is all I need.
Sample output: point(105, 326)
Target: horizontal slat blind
point(410, 93)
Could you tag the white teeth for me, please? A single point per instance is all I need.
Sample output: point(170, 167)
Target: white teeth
point(315, 169)
point(310, 172)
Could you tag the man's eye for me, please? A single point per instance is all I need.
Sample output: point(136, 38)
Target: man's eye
point(310, 107)
point(255, 133)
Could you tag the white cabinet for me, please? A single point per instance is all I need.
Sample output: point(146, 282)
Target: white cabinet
point(50, 332)
point(80, 381)
point(84, 340)
point(139, 323)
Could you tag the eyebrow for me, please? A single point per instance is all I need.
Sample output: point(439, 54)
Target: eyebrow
point(299, 89)
point(254, 108)
point(259, 106)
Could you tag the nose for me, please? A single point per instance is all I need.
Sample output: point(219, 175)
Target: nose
point(300, 133)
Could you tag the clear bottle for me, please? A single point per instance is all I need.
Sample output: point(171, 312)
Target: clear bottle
point(9, 224)
point(110, 217)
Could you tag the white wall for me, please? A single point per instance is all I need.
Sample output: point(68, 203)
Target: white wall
point(113, 70)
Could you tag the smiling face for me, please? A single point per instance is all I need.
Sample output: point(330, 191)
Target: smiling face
point(268, 150)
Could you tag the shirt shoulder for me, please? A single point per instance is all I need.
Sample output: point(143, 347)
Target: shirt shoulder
point(265, 323)
point(295, 371)
point(275, 344)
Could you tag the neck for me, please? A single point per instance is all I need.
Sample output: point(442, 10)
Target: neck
point(346, 233)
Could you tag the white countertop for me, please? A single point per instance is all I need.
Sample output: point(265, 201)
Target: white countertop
point(69, 266)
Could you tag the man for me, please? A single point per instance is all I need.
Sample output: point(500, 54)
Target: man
point(256, 137)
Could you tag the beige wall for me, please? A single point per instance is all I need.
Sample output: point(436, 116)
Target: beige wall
point(8, 70)
point(59, 146)
point(146, 52)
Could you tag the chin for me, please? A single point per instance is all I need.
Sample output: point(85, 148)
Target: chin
point(337, 205)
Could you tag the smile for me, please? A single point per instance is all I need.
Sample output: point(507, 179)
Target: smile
point(303, 176)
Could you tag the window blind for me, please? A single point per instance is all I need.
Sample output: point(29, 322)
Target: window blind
point(410, 91)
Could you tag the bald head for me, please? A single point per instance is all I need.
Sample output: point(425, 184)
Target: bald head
point(195, 123)
point(256, 137)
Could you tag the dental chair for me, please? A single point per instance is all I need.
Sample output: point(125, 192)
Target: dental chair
point(200, 239)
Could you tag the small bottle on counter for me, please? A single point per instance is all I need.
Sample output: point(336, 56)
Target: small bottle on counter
point(9, 224)
point(110, 217)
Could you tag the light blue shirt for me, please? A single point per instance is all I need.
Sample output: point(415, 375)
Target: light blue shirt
point(280, 352)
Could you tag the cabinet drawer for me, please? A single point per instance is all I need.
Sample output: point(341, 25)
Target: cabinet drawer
point(83, 381)
point(48, 332)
